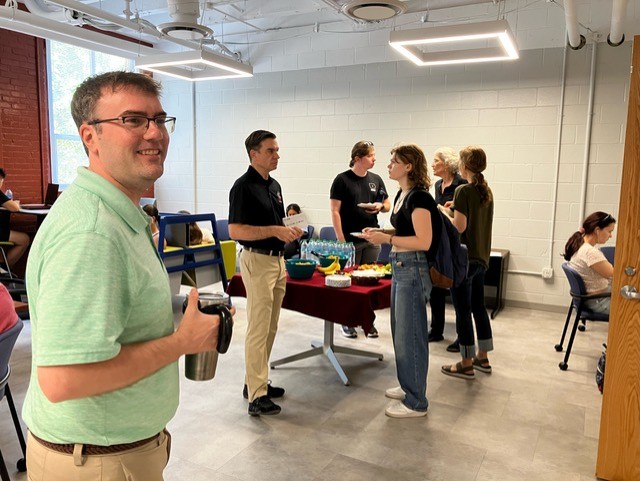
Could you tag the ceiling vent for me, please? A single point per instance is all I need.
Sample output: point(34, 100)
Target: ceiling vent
point(185, 26)
point(185, 30)
point(372, 11)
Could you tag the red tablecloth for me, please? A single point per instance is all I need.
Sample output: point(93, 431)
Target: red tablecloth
point(352, 306)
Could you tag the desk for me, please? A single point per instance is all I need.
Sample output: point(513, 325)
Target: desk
point(352, 307)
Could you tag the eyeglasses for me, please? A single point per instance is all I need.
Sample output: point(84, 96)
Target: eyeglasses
point(140, 123)
point(367, 142)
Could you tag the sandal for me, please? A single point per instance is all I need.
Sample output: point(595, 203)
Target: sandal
point(481, 365)
point(460, 371)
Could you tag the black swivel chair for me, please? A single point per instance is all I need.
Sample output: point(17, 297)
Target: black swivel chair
point(579, 297)
point(7, 341)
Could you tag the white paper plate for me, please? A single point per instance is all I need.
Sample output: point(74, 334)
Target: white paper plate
point(356, 234)
point(366, 205)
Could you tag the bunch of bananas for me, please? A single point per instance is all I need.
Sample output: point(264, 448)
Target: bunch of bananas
point(331, 268)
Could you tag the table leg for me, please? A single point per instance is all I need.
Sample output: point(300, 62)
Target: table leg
point(329, 349)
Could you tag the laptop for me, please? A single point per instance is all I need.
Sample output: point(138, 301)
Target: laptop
point(177, 235)
point(49, 199)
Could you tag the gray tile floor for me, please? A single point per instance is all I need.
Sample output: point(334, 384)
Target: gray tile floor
point(526, 421)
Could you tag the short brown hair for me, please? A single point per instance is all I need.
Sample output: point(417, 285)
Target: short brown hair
point(87, 94)
point(255, 139)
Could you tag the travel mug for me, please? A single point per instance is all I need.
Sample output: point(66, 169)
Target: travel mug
point(202, 366)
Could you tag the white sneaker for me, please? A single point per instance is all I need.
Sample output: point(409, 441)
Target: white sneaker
point(395, 393)
point(398, 410)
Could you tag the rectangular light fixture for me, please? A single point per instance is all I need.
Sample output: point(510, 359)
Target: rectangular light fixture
point(409, 42)
point(194, 65)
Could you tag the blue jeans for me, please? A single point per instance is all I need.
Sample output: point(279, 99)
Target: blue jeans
point(468, 298)
point(410, 290)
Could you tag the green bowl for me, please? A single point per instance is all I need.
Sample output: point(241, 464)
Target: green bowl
point(300, 268)
point(326, 261)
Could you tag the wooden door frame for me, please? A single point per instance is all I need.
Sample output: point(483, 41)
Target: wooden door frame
point(619, 441)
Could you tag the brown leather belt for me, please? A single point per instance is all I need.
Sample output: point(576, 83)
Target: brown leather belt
point(92, 449)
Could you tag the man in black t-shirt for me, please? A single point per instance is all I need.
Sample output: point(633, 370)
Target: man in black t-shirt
point(256, 211)
point(357, 196)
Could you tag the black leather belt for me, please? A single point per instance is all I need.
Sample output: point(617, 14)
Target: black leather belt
point(265, 252)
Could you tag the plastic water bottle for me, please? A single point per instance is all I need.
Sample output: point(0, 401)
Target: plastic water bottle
point(304, 249)
point(9, 194)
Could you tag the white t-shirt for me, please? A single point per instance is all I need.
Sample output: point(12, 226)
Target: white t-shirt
point(582, 261)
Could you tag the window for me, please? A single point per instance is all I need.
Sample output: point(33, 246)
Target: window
point(67, 66)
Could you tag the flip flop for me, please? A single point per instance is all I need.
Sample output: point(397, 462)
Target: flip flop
point(461, 371)
point(481, 365)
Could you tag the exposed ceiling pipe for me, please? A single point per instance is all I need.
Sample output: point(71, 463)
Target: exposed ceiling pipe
point(619, 10)
point(108, 17)
point(39, 7)
point(576, 41)
point(35, 25)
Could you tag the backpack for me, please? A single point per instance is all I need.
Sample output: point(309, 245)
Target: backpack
point(600, 369)
point(449, 267)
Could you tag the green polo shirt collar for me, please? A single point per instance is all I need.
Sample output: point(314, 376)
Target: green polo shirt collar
point(112, 197)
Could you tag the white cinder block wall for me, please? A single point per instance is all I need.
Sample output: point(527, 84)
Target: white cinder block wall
point(511, 109)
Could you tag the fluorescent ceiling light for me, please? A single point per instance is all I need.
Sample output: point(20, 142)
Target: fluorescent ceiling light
point(411, 43)
point(194, 65)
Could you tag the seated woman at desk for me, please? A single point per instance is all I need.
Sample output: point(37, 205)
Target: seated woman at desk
point(594, 268)
point(152, 212)
point(19, 239)
point(198, 235)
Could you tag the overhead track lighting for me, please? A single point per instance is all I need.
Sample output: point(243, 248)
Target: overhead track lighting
point(480, 39)
point(195, 65)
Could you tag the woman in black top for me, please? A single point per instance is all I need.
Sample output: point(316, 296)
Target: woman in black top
point(416, 223)
point(445, 166)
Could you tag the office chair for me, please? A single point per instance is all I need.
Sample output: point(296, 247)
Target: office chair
point(309, 234)
point(579, 297)
point(7, 341)
point(609, 252)
point(222, 226)
point(6, 245)
point(328, 233)
point(383, 256)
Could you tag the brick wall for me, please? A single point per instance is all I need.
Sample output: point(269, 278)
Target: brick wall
point(24, 150)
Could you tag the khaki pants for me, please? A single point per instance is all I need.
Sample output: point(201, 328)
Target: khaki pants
point(265, 281)
point(145, 463)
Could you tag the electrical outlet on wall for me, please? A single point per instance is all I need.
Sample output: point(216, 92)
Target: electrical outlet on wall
point(547, 272)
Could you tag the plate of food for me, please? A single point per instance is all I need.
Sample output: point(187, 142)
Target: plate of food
point(356, 234)
point(367, 273)
point(366, 205)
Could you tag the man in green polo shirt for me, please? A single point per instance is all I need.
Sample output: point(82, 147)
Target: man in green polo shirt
point(104, 377)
